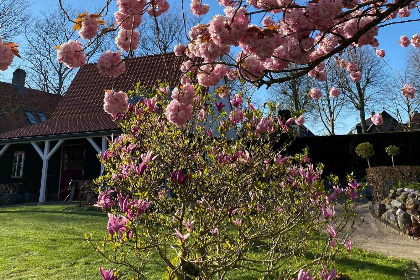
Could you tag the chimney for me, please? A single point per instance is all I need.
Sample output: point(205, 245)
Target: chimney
point(19, 80)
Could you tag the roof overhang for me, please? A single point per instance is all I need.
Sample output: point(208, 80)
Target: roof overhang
point(56, 137)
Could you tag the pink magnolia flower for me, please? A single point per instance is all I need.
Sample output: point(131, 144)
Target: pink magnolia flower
point(300, 120)
point(139, 170)
point(408, 91)
point(334, 92)
point(332, 244)
point(107, 274)
point(219, 106)
point(147, 157)
point(104, 200)
point(214, 231)
point(127, 40)
point(377, 119)
point(116, 224)
point(404, 41)
point(331, 231)
point(139, 206)
point(110, 64)
point(188, 225)
point(180, 236)
point(315, 93)
point(356, 76)
point(281, 160)
point(380, 53)
point(304, 275)
point(328, 212)
point(328, 276)
point(115, 102)
point(237, 222)
point(202, 114)
point(237, 100)
point(236, 116)
point(348, 244)
point(178, 176)
point(71, 54)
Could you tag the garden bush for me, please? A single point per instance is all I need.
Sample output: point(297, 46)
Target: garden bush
point(383, 178)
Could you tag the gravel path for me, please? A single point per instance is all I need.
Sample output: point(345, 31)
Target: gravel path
point(375, 237)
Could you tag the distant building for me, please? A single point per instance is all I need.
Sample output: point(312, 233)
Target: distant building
point(415, 121)
point(21, 106)
point(390, 124)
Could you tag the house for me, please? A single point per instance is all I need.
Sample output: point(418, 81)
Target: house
point(415, 121)
point(390, 124)
point(21, 106)
point(44, 156)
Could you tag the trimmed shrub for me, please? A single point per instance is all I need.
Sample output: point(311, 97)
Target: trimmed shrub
point(383, 178)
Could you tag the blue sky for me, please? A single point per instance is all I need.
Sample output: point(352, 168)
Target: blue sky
point(388, 38)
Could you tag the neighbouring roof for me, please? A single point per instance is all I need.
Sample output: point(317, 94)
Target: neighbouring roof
point(415, 120)
point(81, 108)
point(15, 104)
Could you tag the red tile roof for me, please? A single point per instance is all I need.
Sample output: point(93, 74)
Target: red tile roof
point(81, 108)
point(14, 103)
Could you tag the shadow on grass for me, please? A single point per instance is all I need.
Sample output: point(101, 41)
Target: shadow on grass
point(48, 211)
point(352, 264)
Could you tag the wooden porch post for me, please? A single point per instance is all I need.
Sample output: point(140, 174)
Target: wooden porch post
point(98, 150)
point(4, 148)
point(45, 156)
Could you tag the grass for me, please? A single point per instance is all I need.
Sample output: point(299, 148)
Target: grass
point(47, 242)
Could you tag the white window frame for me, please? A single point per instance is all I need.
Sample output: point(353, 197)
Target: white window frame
point(18, 161)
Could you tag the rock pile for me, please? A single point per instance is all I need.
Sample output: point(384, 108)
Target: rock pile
point(401, 209)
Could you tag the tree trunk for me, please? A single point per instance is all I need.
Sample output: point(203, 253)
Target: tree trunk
point(362, 117)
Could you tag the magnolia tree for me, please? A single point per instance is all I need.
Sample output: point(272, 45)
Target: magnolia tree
point(204, 207)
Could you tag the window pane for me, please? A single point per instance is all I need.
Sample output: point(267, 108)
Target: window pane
point(31, 118)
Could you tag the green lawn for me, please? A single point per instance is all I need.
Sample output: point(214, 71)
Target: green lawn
point(47, 242)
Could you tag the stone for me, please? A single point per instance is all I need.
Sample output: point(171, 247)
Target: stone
point(388, 207)
point(386, 201)
point(379, 209)
point(411, 195)
point(396, 204)
point(399, 191)
point(414, 213)
point(402, 197)
point(391, 217)
point(412, 203)
point(404, 219)
point(392, 194)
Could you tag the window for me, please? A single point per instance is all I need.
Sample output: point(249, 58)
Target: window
point(31, 117)
point(41, 116)
point(17, 168)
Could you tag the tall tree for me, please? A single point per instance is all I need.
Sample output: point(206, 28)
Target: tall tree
point(42, 35)
point(373, 83)
point(13, 17)
point(161, 34)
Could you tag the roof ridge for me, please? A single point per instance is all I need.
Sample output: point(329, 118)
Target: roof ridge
point(32, 89)
point(135, 58)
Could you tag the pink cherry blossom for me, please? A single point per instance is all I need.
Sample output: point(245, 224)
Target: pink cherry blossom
point(404, 12)
point(334, 92)
point(356, 76)
point(267, 21)
point(178, 113)
point(131, 7)
point(300, 120)
point(6, 56)
point(115, 102)
point(110, 64)
point(408, 91)
point(127, 22)
point(127, 40)
point(223, 92)
point(377, 119)
point(351, 66)
point(198, 9)
point(404, 41)
point(158, 7)
point(380, 53)
point(415, 41)
point(185, 96)
point(315, 94)
point(71, 54)
point(90, 27)
point(179, 49)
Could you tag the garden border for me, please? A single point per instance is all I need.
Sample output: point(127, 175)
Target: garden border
point(388, 225)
